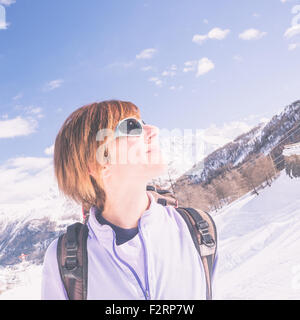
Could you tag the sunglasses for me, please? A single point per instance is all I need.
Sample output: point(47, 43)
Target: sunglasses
point(129, 127)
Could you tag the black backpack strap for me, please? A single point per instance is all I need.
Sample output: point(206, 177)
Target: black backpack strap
point(163, 197)
point(73, 260)
point(204, 234)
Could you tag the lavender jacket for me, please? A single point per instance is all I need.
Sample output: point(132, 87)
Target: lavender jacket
point(159, 263)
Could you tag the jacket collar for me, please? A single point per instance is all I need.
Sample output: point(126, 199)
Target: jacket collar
point(104, 233)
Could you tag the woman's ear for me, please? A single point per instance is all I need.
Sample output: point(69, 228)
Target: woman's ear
point(91, 170)
point(103, 170)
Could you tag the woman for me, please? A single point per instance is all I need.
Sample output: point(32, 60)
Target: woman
point(105, 156)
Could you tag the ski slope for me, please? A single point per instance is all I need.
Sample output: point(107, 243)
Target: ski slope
point(259, 241)
point(259, 244)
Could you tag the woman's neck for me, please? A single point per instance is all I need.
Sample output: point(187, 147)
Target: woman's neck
point(124, 208)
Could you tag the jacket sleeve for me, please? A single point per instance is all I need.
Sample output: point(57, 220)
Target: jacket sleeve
point(52, 286)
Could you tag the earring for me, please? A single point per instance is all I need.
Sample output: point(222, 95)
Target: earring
point(106, 153)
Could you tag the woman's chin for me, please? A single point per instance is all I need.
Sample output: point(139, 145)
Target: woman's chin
point(156, 170)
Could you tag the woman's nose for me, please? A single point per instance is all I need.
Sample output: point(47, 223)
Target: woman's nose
point(150, 132)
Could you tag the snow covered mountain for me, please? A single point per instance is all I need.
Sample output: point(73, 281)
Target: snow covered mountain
point(32, 226)
point(184, 149)
point(28, 225)
point(264, 138)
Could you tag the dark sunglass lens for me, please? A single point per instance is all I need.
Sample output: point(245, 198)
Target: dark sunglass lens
point(131, 127)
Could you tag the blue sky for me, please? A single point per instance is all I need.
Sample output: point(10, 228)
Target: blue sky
point(186, 64)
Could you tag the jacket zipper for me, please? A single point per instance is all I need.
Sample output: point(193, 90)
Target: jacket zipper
point(145, 261)
point(145, 292)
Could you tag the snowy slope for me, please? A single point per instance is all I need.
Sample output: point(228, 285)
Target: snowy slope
point(259, 241)
point(21, 282)
point(259, 244)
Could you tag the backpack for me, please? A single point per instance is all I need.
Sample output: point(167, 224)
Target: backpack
point(72, 254)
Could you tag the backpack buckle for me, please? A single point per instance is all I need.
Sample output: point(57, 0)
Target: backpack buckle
point(207, 239)
point(71, 261)
point(71, 268)
point(162, 201)
point(202, 225)
point(72, 273)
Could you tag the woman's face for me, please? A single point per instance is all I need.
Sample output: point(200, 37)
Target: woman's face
point(136, 157)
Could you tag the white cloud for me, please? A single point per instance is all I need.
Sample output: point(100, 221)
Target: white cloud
point(7, 2)
point(190, 66)
point(218, 34)
point(176, 88)
point(215, 33)
point(28, 163)
point(147, 68)
point(264, 120)
point(121, 64)
point(252, 34)
point(220, 135)
point(54, 84)
point(205, 21)
point(18, 96)
point(3, 23)
point(25, 179)
point(204, 66)
point(293, 46)
point(128, 64)
point(283, 1)
point(146, 54)
point(225, 133)
point(292, 31)
point(18, 126)
point(199, 39)
point(50, 150)
point(170, 72)
point(36, 111)
point(238, 58)
point(156, 80)
point(256, 15)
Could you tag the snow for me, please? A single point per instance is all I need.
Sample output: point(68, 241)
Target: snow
point(293, 149)
point(259, 240)
point(21, 282)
